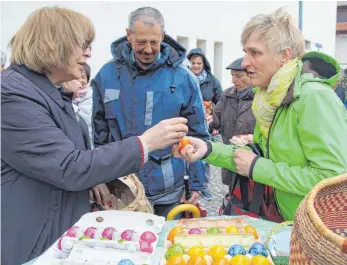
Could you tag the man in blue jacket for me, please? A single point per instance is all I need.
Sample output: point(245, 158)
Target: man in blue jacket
point(144, 84)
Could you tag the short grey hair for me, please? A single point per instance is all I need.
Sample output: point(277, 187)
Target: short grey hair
point(3, 58)
point(278, 31)
point(146, 15)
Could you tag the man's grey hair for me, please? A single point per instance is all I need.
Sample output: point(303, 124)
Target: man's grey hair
point(3, 58)
point(146, 15)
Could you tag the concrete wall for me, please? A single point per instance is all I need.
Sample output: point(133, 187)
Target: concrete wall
point(215, 26)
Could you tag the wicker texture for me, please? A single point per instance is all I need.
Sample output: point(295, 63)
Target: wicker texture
point(320, 225)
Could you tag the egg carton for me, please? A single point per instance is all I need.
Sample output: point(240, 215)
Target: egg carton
point(85, 255)
point(65, 250)
point(209, 259)
point(131, 240)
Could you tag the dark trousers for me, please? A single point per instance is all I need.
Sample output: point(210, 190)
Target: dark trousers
point(164, 209)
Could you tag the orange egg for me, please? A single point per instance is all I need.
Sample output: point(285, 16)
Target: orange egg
point(184, 141)
point(217, 251)
point(176, 261)
point(260, 260)
point(196, 251)
point(239, 260)
point(197, 261)
point(174, 231)
point(232, 229)
point(251, 230)
point(207, 104)
point(220, 261)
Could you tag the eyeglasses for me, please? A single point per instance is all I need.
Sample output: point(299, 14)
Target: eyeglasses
point(86, 45)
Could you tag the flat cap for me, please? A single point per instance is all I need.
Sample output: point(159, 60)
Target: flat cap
point(236, 65)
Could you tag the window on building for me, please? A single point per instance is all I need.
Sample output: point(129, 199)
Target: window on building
point(201, 44)
point(218, 60)
point(184, 41)
point(341, 15)
point(308, 45)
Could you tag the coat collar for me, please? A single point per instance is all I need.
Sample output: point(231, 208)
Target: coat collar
point(41, 81)
point(231, 92)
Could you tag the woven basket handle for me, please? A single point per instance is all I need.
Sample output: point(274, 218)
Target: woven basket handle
point(274, 231)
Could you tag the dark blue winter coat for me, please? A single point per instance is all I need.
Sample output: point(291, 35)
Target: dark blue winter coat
point(128, 100)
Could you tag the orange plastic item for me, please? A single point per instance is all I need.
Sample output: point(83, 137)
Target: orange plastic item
point(176, 261)
point(196, 260)
point(184, 141)
point(207, 104)
point(174, 231)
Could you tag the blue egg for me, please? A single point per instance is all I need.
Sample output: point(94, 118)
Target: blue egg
point(257, 249)
point(236, 249)
point(126, 262)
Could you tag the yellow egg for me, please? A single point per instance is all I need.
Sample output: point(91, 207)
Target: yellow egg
point(197, 261)
point(260, 260)
point(176, 261)
point(220, 261)
point(239, 260)
point(232, 229)
point(196, 251)
point(217, 251)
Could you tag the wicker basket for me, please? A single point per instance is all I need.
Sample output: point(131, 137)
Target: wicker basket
point(319, 234)
point(128, 194)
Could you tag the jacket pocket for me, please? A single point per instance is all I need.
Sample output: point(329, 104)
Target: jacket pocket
point(56, 196)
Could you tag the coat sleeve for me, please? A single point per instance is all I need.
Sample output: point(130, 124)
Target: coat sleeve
point(322, 130)
point(101, 129)
point(217, 91)
point(217, 113)
point(32, 144)
point(197, 124)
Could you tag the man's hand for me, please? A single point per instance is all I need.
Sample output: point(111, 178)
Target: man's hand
point(191, 152)
point(215, 132)
point(209, 119)
point(165, 133)
point(193, 200)
point(243, 160)
point(101, 194)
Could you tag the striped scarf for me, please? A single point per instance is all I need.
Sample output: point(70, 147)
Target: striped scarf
point(267, 100)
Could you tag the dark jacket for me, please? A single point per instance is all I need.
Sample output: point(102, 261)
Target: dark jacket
point(233, 116)
point(128, 100)
point(45, 169)
point(211, 89)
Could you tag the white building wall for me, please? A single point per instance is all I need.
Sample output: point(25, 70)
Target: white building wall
point(194, 23)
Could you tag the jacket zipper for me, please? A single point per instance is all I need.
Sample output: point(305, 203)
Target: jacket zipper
point(268, 156)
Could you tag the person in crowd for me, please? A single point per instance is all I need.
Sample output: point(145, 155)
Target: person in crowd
point(144, 84)
point(301, 127)
point(211, 92)
point(232, 116)
point(46, 169)
point(339, 89)
point(3, 61)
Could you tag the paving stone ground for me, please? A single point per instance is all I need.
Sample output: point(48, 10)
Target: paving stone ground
point(218, 190)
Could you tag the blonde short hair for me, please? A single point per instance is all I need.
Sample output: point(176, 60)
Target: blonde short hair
point(48, 38)
point(278, 31)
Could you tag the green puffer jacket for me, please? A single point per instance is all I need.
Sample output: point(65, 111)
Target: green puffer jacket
point(308, 136)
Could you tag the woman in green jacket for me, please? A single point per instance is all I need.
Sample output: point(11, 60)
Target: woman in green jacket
point(301, 124)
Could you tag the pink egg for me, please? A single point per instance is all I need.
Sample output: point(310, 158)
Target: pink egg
point(127, 235)
point(146, 246)
point(108, 232)
point(59, 242)
point(90, 231)
point(148, 236)
point(194, 231)
point(72, 232)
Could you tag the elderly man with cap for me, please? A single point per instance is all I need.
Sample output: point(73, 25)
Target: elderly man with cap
point(232, 116)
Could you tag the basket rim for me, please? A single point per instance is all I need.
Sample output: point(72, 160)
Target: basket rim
point(313, 215)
